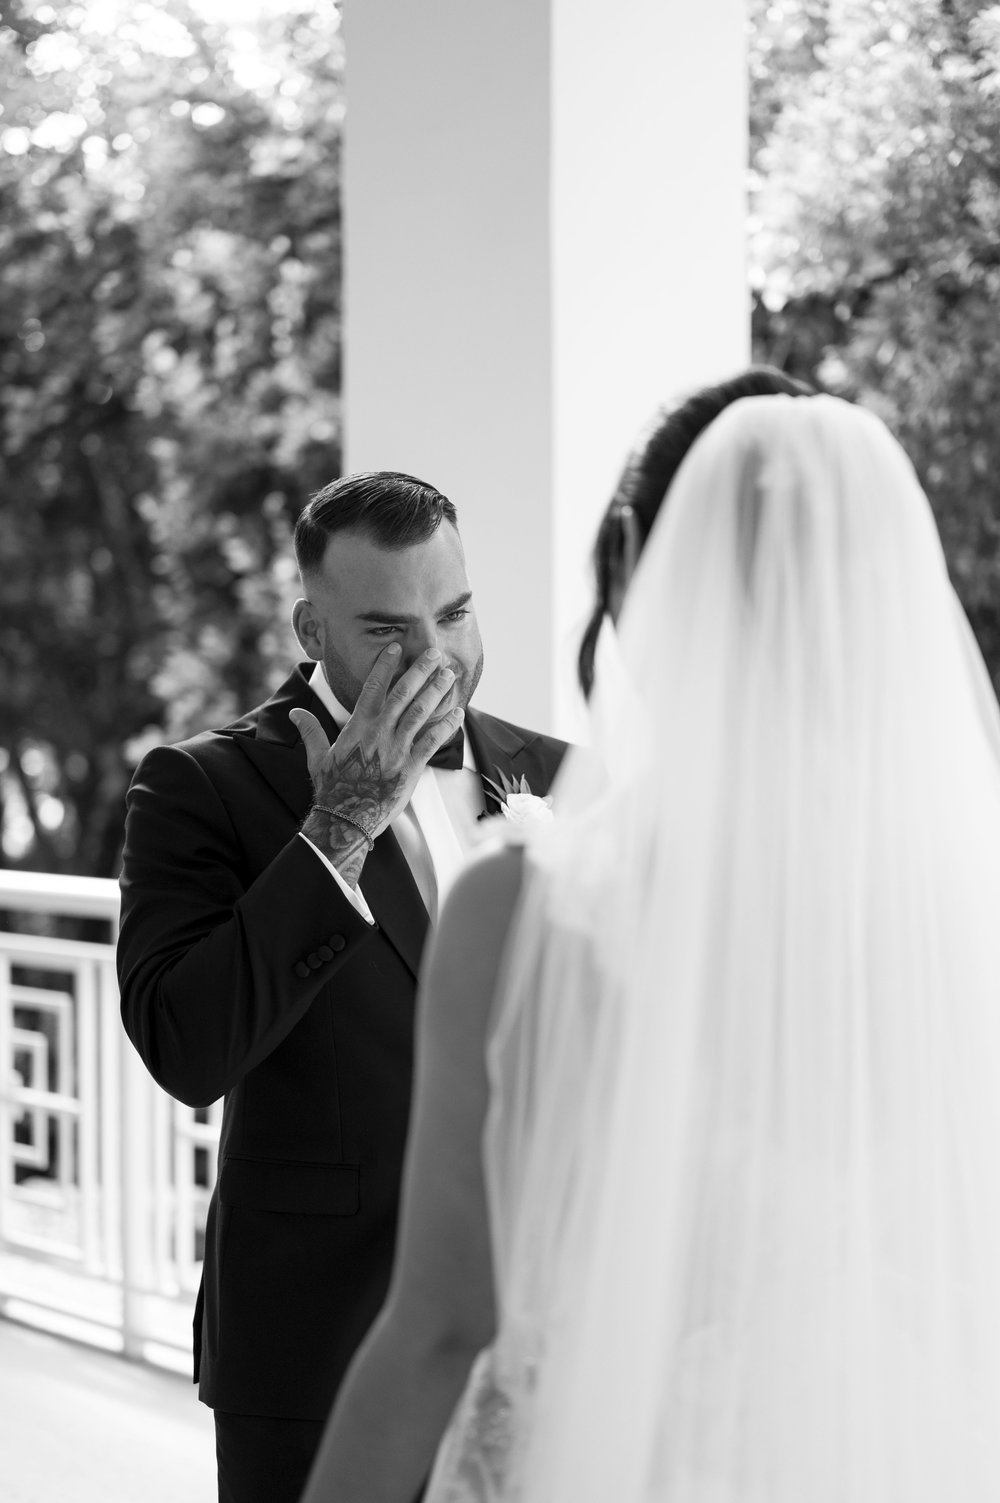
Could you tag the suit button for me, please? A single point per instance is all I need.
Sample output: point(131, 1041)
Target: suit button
point(302, 969)
point(337, 941)
point(324, 952)
point(313, 961)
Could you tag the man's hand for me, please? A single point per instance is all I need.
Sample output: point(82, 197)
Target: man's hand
point(369, 774)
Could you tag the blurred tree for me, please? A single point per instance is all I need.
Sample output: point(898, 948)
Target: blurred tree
point(169, 379)
point(170, 336)
point(875, 239)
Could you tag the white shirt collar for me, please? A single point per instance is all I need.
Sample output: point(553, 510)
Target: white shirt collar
point(320, 686)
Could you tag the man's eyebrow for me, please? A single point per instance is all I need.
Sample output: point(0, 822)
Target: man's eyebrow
point(390, 618)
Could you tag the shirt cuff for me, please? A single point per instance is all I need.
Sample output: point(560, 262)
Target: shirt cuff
point(352, 894)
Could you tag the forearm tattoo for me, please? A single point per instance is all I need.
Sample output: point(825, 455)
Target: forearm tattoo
point(358, 788)
point(341, 843)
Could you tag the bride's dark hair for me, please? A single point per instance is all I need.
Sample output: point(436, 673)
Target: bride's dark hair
point(647, 475)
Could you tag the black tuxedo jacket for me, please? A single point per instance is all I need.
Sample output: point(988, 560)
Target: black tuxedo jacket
point(245, 972)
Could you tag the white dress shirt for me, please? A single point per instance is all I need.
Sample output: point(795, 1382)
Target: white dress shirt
point(436, 830)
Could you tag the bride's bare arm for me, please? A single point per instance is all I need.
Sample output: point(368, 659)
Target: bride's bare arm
point(407, 1377)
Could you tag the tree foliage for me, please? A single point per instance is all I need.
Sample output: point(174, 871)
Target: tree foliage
point(170, 336)
point(875, 241)
point(169, 379)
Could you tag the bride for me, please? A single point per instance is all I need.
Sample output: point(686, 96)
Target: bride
point(704, 1154)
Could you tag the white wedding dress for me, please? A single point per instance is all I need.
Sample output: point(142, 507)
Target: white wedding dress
point(743, 1152)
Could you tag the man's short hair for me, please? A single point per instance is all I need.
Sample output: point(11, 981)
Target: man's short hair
point(394, 510)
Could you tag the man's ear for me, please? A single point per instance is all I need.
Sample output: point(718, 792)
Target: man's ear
point(308, 629)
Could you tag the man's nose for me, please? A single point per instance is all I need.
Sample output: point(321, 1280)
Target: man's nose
point(421, 640)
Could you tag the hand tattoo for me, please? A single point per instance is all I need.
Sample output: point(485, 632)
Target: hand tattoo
point(359, 788)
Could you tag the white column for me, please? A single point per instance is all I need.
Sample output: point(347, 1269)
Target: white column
point(544, 240)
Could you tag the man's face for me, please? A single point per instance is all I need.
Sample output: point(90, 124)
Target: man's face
point(366, 596)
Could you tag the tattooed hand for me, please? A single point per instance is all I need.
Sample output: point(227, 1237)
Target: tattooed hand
point(370, 772)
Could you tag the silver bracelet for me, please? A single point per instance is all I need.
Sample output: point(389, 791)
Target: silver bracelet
point(347, 820)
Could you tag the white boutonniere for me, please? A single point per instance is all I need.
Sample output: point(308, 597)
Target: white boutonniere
point(518, 805)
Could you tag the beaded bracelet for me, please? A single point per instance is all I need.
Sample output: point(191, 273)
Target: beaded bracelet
point(347, 820)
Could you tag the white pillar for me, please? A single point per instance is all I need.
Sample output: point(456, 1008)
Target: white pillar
point(544, 239)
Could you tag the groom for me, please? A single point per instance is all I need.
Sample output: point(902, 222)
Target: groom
point(279, 877)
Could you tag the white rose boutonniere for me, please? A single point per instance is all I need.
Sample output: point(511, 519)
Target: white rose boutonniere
point(519, 806)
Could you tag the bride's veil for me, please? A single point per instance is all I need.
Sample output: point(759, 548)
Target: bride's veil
point(744, 1148)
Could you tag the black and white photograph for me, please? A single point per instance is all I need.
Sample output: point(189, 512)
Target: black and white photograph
point(499, 751)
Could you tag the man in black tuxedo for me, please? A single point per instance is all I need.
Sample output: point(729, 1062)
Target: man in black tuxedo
point(279, 877)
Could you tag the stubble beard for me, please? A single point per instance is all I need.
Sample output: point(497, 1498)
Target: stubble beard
point(343, 683)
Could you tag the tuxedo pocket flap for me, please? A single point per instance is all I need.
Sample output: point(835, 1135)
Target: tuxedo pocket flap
point(292, 1187)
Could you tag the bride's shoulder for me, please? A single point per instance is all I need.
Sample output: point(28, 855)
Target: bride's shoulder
point(464, 957)
point(488, 887)
point(477, 913)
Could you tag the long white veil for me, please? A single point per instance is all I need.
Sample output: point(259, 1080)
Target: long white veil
point(744, 1148)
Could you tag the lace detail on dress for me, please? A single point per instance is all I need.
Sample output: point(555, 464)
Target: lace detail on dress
point(476, 1461)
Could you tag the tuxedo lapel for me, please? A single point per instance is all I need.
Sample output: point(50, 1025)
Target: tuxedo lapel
point(274, 746)
point(500, 752)
point(394, 899)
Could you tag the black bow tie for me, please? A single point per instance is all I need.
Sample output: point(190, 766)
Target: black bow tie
point(451, 756)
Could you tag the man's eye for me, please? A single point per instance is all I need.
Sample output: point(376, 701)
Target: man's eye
point(382, 631)
point(456, 616)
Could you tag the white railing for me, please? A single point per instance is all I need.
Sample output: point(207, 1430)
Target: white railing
point(104, 1180)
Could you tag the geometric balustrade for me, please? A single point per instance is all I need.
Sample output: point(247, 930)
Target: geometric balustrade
point(104, 1179)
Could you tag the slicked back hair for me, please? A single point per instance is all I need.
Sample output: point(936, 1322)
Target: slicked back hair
point(647, 475)
point(394, 510)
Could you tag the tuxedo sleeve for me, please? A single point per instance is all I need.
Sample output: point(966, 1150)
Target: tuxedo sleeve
point(353, 895)
point(217, 964)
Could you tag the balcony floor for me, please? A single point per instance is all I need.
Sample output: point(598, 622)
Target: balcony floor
point(81, 1424)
